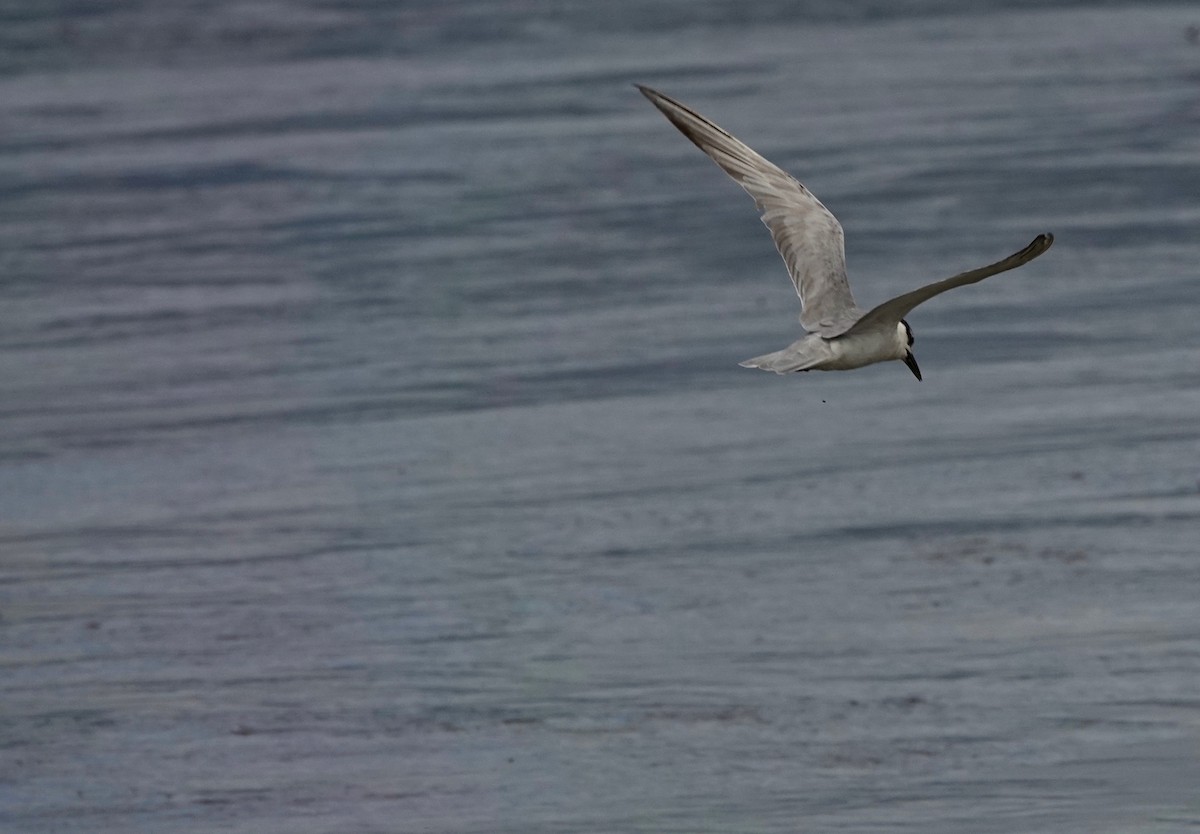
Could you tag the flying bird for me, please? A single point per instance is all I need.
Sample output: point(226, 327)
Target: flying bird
point(841, 336)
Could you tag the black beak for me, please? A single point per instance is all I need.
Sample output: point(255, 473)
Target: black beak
point(911, 361)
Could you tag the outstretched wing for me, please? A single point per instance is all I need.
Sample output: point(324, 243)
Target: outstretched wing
point(889, 313)
point(806, 234)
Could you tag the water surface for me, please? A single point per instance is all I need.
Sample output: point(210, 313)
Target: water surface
point(374, 454)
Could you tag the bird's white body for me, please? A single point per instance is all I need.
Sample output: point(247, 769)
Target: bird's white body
point(841, 336)
point(841, 353)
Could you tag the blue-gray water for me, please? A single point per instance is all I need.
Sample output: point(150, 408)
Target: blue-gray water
point(374, 455)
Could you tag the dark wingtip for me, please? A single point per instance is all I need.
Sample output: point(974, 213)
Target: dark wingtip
point(1036, 247)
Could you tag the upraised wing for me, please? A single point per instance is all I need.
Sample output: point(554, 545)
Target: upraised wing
point(806, 234)
point(890, 312)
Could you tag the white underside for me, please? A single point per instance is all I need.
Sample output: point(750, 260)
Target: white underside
point(814, 353)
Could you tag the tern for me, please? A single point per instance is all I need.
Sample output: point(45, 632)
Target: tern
point(841, 336)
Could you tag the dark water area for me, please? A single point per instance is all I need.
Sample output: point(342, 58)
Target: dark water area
point(374, 455)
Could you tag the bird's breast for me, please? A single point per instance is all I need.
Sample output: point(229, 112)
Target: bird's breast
point(864, 349)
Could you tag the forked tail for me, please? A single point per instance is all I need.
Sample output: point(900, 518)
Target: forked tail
point(786, 361)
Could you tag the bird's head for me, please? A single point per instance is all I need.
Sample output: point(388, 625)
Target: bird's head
point(906, 332)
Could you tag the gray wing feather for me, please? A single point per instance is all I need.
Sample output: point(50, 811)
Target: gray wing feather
point(889, 313)
point(806, 234)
